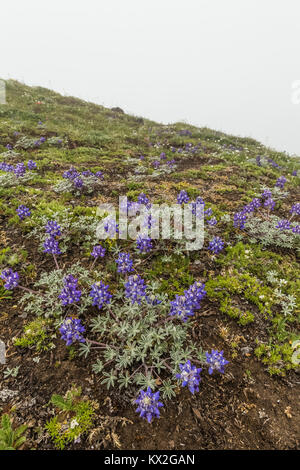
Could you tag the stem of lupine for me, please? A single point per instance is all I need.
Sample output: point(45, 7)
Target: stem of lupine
point(56, 263)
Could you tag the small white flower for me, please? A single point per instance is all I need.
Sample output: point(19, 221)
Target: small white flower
point(73, 424)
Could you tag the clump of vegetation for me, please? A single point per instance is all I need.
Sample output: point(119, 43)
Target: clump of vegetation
point(11, 438)
point(74, 417)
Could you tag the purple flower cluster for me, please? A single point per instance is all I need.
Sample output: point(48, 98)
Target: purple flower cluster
point(70, 293)
point(144, 245)
point(11, 278)
point(216, 361)
point(125, 263)
point(77, 178)
point(135, 288)
point(111, 227)
point(23, 211)
point(51, 246)
point(280, 182)
point(52, 228)
point(19, 170)
point(283, 225)
point(71, 330)
point(296, 208)
point(239, 220)
point(195, 293)
point(184, 305)
point(197, 207)
point(270, 203)
point(143, 199)
point(148, 404)
point(216, 245)
point(190, 376)
point(7, 167)
point(98, 251)
point(100, 294)
point(31, 165)
point(182, 197)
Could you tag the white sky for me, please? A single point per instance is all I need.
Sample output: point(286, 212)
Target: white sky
point(225, 64)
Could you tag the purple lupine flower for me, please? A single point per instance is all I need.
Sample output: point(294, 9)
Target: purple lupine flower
point(148, 404)
point(182, 197)
point(283, 225)
point(171, 163)
point(99, 175)
point(87, 173)
point(216, 245)
point(78, 183)
point(71, 174)
point(156, 164)
point(294, 173)
point(11, 278)
point(53, 228)
point(190, 376)
point(213, 221)
point(6, 167)
point(144, 245)
point(125, 263)
point(181, 308)
point(19, 170)
point(100, 294)
point(267, 194)
point(31, 165)
point(162, 156)
point(98, 251)
point(142, 157)
point(296, 229)
point(208, 212)
point(42, 139)
point(9, 147)
point(197, 207)
point(111, 227)
point(23, 211)
point(258, 160)
point(51, 246)
point(135, 288)
point(295, 208)
point(71, 331)
point(270, 203)
point(281, 182)
point(216, 361)
point(142, 199)
point(194, 294)
point(239, 220)
point(70, 293)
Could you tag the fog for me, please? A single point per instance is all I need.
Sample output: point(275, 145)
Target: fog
point(230, 65)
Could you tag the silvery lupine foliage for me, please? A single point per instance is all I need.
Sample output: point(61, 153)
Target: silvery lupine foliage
point(70, 294)
point(182, 197)
point(144, 245)
point(23, 211)
point(11, 278)
point(216, 361)
point(71, 331)
point(125, 263)
point(148, 404)
point(216, 245)
point(190, 376)
point(135, 288)
point(98, 252)
point(100, 294)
